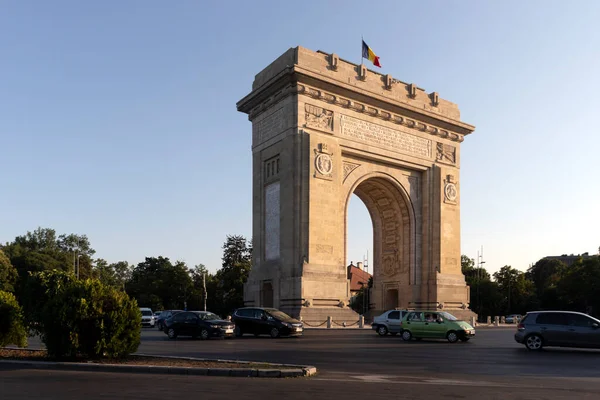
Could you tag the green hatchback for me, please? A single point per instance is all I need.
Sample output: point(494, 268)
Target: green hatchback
point(435, 325)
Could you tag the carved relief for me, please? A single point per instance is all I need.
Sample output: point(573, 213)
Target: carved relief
point(323, 163)
point(450, 190)
point(392, 264)
point(348, 168)
point(446, 153)
point(318, 117)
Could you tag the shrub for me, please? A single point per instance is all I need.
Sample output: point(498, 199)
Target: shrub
point(92, 320)
point(12, 330)
point(38, 290)
point(81, 318)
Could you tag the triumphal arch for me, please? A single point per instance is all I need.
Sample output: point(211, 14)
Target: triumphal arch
point(324, 129)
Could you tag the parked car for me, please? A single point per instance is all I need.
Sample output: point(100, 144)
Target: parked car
point(267, 321)
point(196, 324)
point(389, 322)
point(147, 317)
point(513, 318)
point(160, 320)
point(558, 328)
point(435, 325)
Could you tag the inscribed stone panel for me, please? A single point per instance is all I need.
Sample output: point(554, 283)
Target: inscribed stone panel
point(272, 221)
point(383, 137)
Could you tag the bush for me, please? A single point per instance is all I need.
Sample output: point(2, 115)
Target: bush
point(38, 290)
point(12, 330)
point(82, 318)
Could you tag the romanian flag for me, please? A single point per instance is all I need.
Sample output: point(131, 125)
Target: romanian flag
point(369, 55)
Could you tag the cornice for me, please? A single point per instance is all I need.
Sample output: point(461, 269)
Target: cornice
point(318, 94)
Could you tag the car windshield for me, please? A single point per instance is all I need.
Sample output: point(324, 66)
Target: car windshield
point(279, 315)
point(448, 316)
point(208, 316)
point(147, 313)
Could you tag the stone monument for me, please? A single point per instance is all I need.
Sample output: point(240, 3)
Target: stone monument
point(323, 129)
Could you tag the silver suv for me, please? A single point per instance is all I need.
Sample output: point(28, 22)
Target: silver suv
point(558, 328)
point(389, 322)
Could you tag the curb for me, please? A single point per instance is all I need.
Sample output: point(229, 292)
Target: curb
point(150, 369)
point(299, 371)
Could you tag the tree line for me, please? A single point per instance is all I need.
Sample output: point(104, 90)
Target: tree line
point(157, 282)
point(547, 284)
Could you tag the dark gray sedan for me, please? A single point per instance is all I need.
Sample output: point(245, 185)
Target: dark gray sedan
point(558, 328)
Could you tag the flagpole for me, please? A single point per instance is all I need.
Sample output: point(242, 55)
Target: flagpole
point(362, 39)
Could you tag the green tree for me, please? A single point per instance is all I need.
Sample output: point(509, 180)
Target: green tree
point(159, 284)
point(8, 274)
point(518, 291)
point(115, 274)
point(236, 265)
point(466, 263)
point(43, 250)
point(579, 287)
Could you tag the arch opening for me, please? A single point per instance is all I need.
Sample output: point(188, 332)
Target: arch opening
point(392, 242)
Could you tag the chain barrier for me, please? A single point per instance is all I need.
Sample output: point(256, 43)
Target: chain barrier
point(346, 325)
point(314, 326)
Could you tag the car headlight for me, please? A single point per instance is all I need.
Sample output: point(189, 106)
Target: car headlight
point(286, 325)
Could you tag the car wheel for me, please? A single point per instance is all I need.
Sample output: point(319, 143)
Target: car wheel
point(238, 331)
point(274, 333)
point(382, 330)
point(534, 342)
point(452, 337)
point(203, 334)
point(406, 336)
point(171, 333)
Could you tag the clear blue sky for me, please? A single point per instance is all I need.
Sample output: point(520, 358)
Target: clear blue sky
point(118, 119)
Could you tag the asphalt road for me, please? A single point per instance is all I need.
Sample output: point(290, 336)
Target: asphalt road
point(349, 362)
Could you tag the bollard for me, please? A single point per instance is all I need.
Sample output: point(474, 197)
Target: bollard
point(503, 320)
point(473, 322)
point(489, 320)
point(496, 320)
point(361, 321)
point(328, 322)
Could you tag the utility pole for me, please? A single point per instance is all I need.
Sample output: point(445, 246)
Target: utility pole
point(204, 288)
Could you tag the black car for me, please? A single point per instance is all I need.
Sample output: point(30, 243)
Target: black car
point(265, 321)
point(160, 320)
point(196, 324)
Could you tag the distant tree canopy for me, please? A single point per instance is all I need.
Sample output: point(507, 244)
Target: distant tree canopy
point(547, 284)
